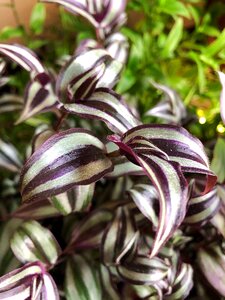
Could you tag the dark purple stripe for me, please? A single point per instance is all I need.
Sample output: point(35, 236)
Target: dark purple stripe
point(50, 143)
point(65, 164)
point(56, 191)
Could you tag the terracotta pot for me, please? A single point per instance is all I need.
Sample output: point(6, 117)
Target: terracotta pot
point(24, 9)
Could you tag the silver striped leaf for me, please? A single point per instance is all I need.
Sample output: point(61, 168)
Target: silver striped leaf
point(120, 238)
point(143, 270)
point(170, 108)
point(165, 152)
point(69, 158)
point(10, 102)
point(182, 284)
point(32, 242)
point(82, 280)
point(202, 208)
point(88, 233)
point(9, 157)
point(37, 210)
point(75, 200)
point(39, 94)
point(104, 15)
point(23, 56)
point(29, 282)
point(146, 198)
point(39, 97)
point(40, 137)
point(117, 45)
point(211, 261)
point(83, 73)
point(107, 106)
point(110, 290)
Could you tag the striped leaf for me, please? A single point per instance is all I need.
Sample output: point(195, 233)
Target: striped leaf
point(101, 14)
point(119, 239)
point(9, 157)
point(39, 97)
point(219, 219)
point(10, 102)
point(202, 208)
point(32, 242)
point(69, 158)
point(77, 199)
point(143, 271)
point(29, 282)
point(165, 152)
point(170, 108)
point(40, 138)
point(147, 292)
point(82, 280)
point(37, 210)
point(117, 46)
point(211, 261)
point(182, 284)
point(146, 197)
point(88, 233)
point(105, 105)
point(109, 287)
point(23, 56)
point(83, 73)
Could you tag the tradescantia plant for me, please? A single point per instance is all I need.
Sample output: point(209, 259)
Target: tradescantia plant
point(122, 211)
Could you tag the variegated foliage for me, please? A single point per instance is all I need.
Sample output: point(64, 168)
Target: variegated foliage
point(122, 214)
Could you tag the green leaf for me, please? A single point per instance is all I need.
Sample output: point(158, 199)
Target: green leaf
point(174, 7)
point(11, 32)
point(216, 46)
point(173, 39)
point(201, 72)
point(218, 161)
point(37, 18)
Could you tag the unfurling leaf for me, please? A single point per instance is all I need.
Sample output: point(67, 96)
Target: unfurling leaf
point(39, 97)
point(69, 158)
point(29, 282)
point(31, 242)
point(146, 198)
point(82, 280)
point(119, 238)
point(117, 46)
point(107, 106)
point(83, 73)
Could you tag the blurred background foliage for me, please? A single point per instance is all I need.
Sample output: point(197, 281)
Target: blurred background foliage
point(177, 43)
